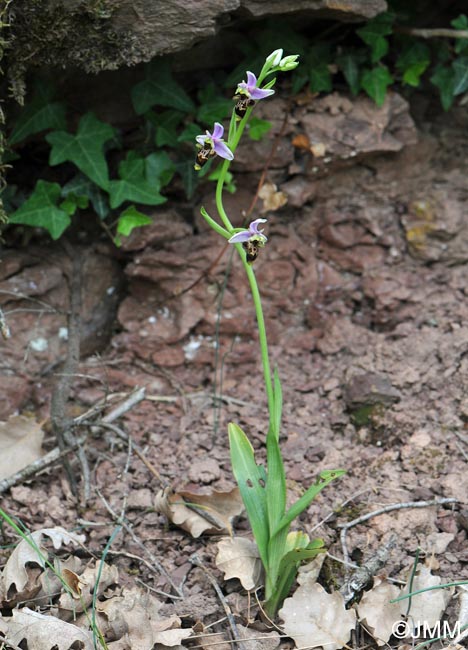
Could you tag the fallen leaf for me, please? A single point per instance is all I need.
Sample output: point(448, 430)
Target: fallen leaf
point(42, 632)
point(272, 199)
point(313, 617)
point(211, 513)
point(319, 149)
point(134, 616)
point(309, 572)
point(239, 558)
point(301, 141)
point(19, 576)
point(377, 613)
point(20, 444)
point(109, 575)
point(428, 607)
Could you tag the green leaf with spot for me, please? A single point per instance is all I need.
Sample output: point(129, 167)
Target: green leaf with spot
point(160, 89)
point(375, 82)
point(85, 148)
point(41, 210)
point(133, 185)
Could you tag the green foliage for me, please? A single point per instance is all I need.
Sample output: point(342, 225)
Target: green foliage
point(42, 209)
point(85, 149)
point(42, 114)
point(160, 89)
point(133, 185)
point(374, 33)
point(258, 128)
point(130, 219)
point(375, 82)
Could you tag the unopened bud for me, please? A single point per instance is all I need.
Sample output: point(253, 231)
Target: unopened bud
point(289, 63)
point(274, 58)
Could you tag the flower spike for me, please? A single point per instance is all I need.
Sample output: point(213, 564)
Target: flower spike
point(248, 93)
point(251, 240)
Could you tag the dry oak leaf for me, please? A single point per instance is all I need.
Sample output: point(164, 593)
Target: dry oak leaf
point(239, 558)
point(428, 607)
point(211, 513)
point(377, 613)
point(313, 617)
point(69, 605)
point(272, 199)
point(45, 632)
point(18, 576)
point(134, 617)
point(20, 444)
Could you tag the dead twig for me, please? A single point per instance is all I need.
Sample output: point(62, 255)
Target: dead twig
point(363, 574)
point(436, 32)
point(195, 560)
point(140, 544)
point(56, 454)
point(381, 511)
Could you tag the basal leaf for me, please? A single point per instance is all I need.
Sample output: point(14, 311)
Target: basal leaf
point(85, 149)
point(251, 481)
point(160, 89)
point(41, 210)
point(133, 185)
point(375, 82)
point(460, 75)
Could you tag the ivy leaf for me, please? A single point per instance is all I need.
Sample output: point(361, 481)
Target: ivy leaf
point(40, 115)
point(160, 89)
point(229, 184)
point(348, 63)
point(318, 59)
point(159, 169)
point(41, 210)
point(373, 34)
point(188, 175)
point(73, 202)
point(190, 133)
point(165, 124)
point(128, 220)
point(461, 22)
point(258, 128)
point(413, 61)
point(443, 79)
point(82, 186)
point(213, 106)
point(133, 185)
point(460, 75)
point(375, 83)
point(85, 149)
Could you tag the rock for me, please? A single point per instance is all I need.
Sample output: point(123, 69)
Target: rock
point(101, 36)
point(368, 389)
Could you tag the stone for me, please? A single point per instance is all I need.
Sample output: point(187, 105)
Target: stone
point(369, 388)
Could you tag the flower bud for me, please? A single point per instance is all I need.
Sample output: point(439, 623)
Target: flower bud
point(274, 58)
point(289, 63)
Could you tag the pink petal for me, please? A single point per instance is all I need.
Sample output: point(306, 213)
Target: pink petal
point(251, 81)
point(218, 131)
point(240, 237)
point(222, 150)
point(261, 93)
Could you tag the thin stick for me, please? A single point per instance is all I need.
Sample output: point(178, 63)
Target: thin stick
point(194, 559)
point(389, 508)
point(139, 543)
point(437, 32)
point(363, 574)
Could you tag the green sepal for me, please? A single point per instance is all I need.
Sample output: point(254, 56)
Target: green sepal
point(251, 481)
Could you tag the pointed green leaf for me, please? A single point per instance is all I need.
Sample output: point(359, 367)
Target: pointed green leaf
point(130, 219)
point(373, 34)
point(251, 481)
point(348, 63)
point(461, 22)
point(166, 124)
point(82, 186)
point(375, 83)
point(413, 61)
point(38, 116)
point(258, 128)
point(160, 89)
point(84, 149)
point(189, 176)
point(443, 79)
point(41, 210)
point(134, 186)
point(278, 409)
point(301, 504)
point(460, 75)
point(159, 168)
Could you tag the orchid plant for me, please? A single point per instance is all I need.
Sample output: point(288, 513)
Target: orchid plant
point(263, 490)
